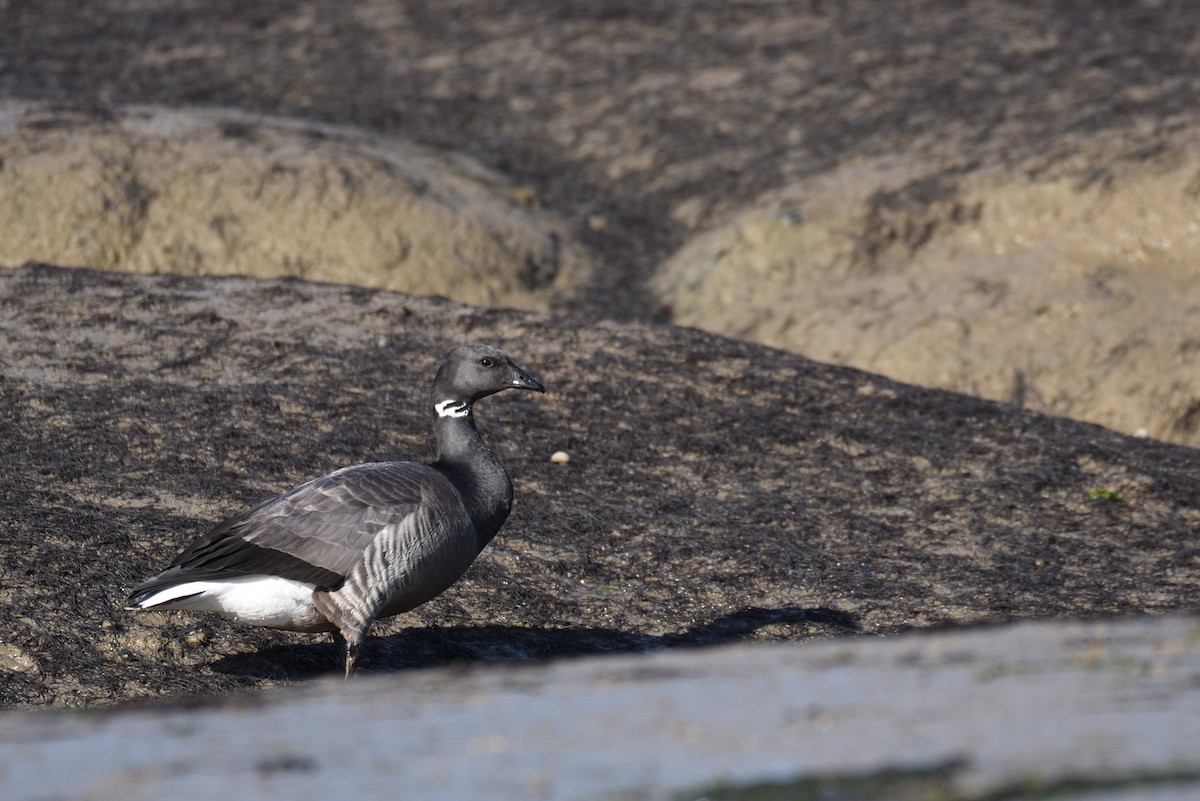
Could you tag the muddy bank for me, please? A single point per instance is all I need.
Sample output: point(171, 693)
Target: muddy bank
point(1068, 286)
point(717, 490)
point(203, 192)
point(662, 118)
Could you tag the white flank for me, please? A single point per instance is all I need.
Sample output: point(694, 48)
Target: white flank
point(452, 408)
point(257, 600)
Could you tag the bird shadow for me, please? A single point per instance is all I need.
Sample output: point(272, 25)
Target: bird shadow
point(435, 646)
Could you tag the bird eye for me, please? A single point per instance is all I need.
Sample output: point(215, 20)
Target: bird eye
point(487, 361)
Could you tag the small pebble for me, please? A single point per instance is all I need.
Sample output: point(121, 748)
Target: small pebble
point(523, 195)
point(559, 457)
point(196, 638)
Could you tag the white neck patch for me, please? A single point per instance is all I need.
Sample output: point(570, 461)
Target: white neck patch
point(452, 408)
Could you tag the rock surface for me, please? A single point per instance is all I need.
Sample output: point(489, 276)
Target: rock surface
point(716, 490)
point(873, 718)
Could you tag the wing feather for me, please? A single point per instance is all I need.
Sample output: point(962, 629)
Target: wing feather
point(316, 532)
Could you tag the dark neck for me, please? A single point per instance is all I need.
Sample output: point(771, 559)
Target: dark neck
point(476, 472)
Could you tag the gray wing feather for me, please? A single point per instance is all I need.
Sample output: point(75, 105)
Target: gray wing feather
point(330, 522)
point(324, 526)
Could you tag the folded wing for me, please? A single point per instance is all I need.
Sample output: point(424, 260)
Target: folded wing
point(315, 533)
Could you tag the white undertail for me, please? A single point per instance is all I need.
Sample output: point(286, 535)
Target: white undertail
point(257, 600)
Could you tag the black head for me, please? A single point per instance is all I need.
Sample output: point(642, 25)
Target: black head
point(473, 372)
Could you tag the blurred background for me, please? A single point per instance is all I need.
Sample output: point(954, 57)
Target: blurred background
point(999, 198)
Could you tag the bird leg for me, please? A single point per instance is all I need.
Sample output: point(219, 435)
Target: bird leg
point(352, 650)
point(345, 632)
point(349, 652)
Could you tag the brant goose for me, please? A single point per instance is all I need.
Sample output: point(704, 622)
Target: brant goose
point(364, 542)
